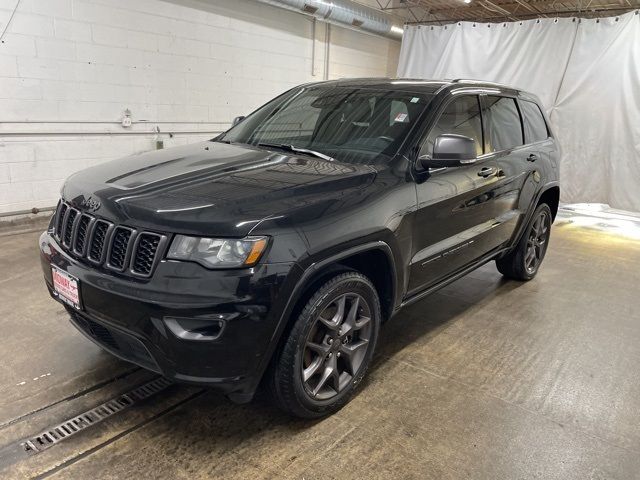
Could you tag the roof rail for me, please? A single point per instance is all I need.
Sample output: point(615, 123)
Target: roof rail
point(472, 81)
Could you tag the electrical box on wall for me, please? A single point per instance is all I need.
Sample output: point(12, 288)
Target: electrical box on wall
point(126, 119)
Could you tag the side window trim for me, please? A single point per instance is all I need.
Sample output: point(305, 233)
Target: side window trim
point(485, 124)
point(527, 141)
point(521, 116)
point(482, 125)
point(544, 119)
point(486, 127)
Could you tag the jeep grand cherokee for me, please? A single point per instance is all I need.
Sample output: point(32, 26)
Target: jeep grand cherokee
point(275, 251)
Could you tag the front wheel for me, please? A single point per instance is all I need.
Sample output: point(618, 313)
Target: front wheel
point(329, 348)
point(524, 261)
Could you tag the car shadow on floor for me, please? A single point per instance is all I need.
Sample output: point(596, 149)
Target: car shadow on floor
point(425, 319)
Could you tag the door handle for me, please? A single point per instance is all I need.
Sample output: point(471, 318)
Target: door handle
point(486, 172)
point(532, 158)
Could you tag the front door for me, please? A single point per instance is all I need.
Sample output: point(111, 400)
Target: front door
point(457, 207)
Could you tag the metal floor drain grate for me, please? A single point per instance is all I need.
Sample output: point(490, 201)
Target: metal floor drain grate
point(74, 425)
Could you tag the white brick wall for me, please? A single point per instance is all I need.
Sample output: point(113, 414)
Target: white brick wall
point(69, 69)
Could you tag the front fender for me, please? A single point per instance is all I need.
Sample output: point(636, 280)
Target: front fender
point(302, 277)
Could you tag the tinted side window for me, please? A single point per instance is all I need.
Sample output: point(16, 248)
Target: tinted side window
point(505, 129)
point(462, 117)
point(535, 128)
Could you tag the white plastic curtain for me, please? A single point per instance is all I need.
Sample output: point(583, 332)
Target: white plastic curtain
point(586, 72)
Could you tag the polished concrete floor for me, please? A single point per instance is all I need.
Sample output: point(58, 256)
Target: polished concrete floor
point(487, 379)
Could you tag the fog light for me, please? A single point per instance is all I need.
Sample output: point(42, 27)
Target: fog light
point(196, 328)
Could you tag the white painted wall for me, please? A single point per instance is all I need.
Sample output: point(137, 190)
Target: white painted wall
point(69, 69)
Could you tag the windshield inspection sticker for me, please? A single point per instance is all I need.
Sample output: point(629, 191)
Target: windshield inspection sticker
point(415, 99)
point(401, 117)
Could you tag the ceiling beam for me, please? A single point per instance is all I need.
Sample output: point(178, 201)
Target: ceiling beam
point(537, 5)
point(481, 17)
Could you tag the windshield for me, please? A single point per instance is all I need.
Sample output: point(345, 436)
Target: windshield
point(355, 125)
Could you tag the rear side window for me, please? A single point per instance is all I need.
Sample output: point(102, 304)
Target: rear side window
point(503, 120)
point(462, 117)
point(535, 128)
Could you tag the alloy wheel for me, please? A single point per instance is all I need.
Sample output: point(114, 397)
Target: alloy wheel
point(537, 242)
point(336, 346)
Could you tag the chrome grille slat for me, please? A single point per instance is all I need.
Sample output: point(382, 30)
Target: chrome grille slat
point(104, 244)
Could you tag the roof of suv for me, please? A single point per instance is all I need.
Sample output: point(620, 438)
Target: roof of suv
point(412, 84)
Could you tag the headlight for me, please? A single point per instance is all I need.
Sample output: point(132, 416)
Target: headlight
point(218, 252)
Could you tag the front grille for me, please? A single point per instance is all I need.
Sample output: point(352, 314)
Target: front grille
point(146, 253)
point(62, 211)
point(98, 240)
point(69, 223)
point(81, 234)
point(102, 243)
point(119, 248)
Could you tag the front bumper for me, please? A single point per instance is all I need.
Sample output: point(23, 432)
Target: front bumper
point(128, 316)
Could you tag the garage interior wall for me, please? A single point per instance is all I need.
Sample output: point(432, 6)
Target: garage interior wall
point(69, 69)
point(585, 71)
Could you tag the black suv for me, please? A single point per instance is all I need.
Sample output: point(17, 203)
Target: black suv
point(275, 251)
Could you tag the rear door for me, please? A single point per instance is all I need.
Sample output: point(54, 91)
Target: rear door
point(505, 142)
point(537, 137)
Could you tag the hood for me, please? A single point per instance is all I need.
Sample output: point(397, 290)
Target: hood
point(210, 188)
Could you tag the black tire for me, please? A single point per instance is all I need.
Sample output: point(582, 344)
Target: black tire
point(518, 264)
point(312, 346)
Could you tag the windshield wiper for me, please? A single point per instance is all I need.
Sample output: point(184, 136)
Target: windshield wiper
point(292, 148)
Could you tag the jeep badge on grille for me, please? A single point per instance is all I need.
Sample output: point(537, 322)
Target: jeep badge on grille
point(90, 204)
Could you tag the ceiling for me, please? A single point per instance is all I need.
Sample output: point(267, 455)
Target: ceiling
point(448, 11)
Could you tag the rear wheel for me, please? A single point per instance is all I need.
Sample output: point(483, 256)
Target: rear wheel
point(329, 348)
point(524, 261)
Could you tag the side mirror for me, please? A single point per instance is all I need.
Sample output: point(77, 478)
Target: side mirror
point(237, 120)
point(450, 150)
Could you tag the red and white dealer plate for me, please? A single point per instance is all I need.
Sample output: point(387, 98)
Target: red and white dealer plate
point(65, 287)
